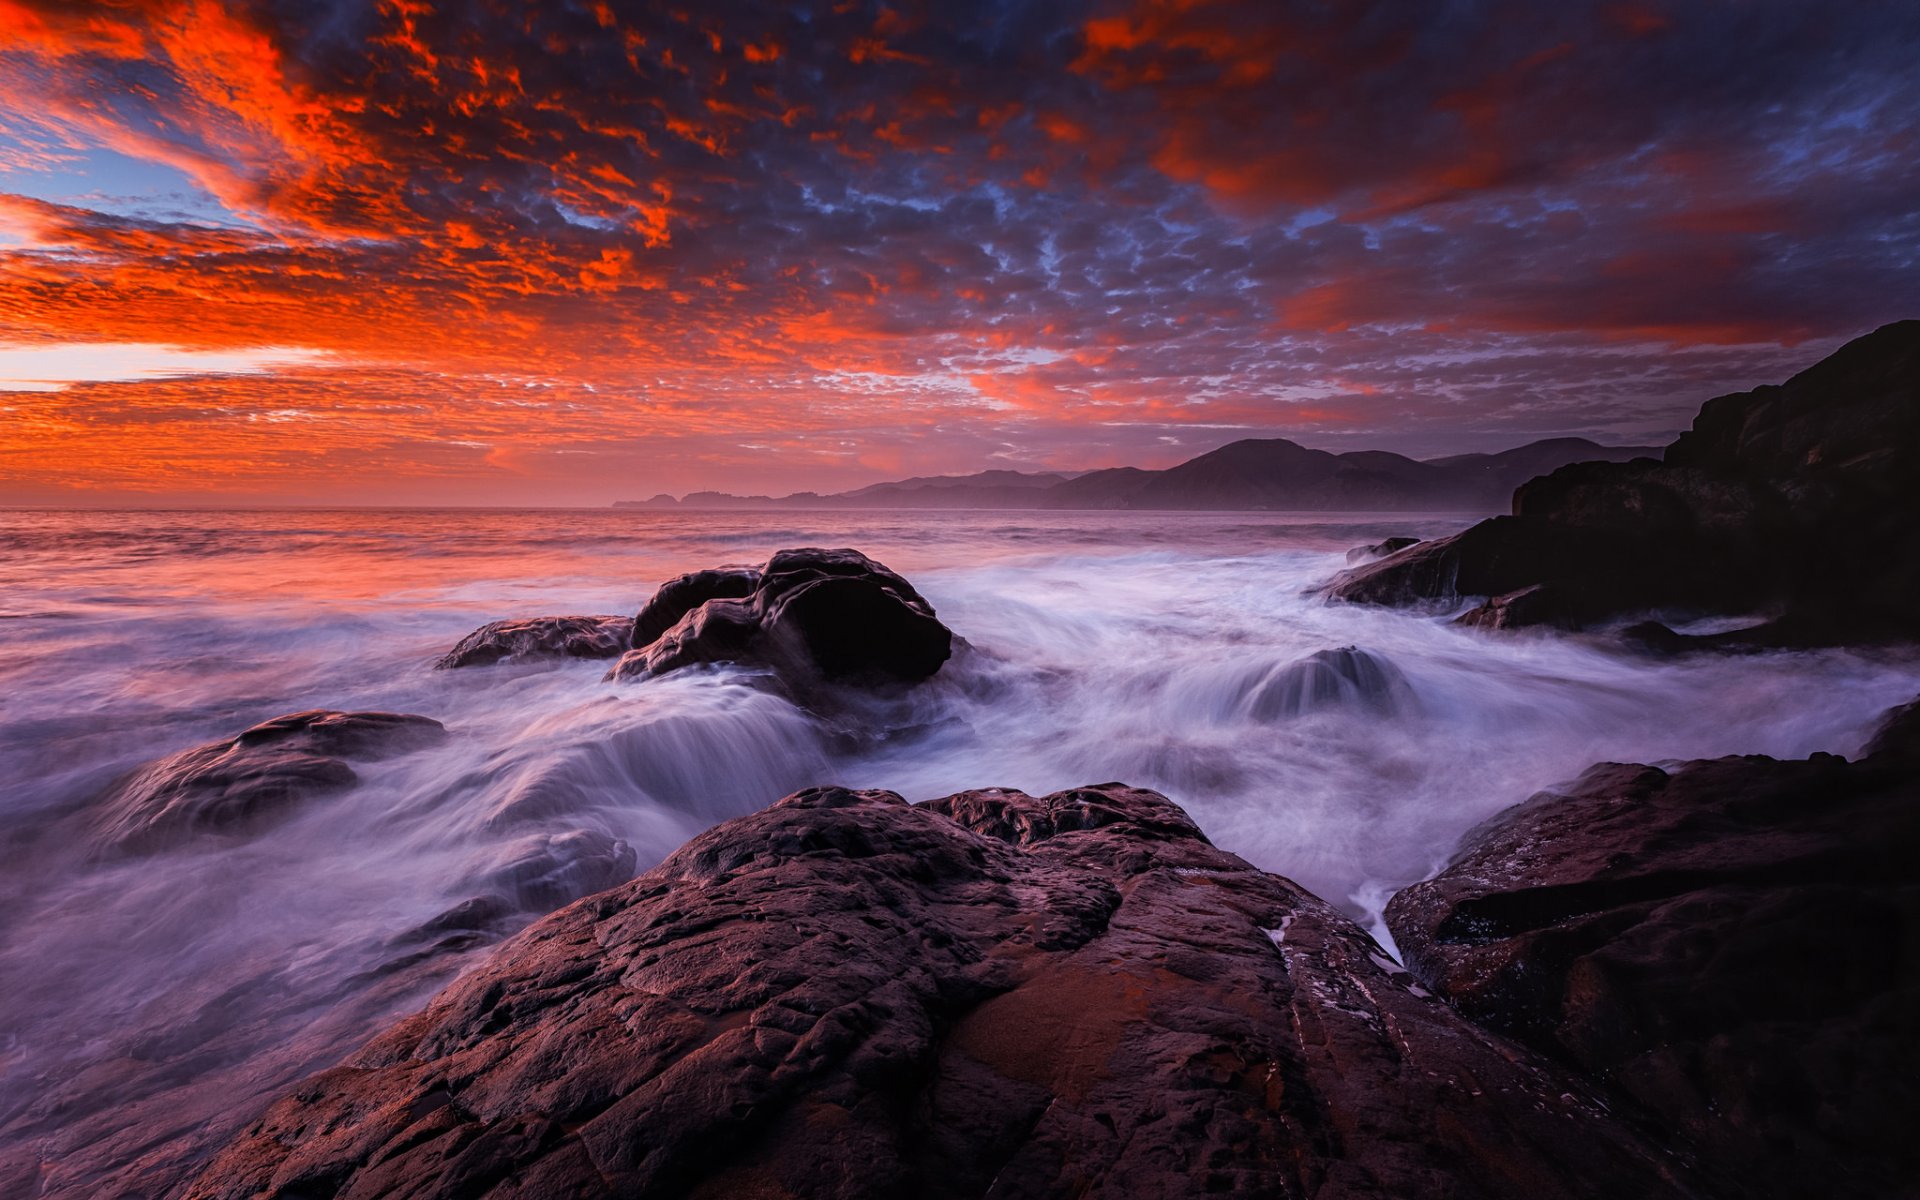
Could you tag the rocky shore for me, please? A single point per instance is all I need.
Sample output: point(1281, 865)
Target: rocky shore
point(1684, 980)
point(1791, 507)
point(846, 995)
point(1693, 981)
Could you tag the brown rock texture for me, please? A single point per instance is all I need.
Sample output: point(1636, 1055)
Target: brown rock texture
point(1731, 947)
point(540, 637)
point(991, 994)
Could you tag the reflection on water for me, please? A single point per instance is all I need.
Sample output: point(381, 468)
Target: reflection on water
point(149, 994)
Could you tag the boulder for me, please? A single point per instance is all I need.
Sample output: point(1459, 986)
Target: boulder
point(844, 995)
point(676, 598)
point(1728, 947)
point(808, 615)
point(541, 637)
point(247, 782)
point(1793, 502)
point(1346, 678)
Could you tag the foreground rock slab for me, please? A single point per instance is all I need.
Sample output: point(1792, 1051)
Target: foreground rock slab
point(240, 785)
point(1732, 947)
point(848, 996)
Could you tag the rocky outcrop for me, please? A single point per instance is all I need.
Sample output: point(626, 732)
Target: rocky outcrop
point(1729, 947)
point(847, 996)
point(245, 783)
point(808, 615)
point(541, 637)
point(1794, 502)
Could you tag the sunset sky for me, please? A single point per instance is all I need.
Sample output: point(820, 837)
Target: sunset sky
point(418, 251)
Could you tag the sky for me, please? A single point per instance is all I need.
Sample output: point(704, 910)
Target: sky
point(567, 252)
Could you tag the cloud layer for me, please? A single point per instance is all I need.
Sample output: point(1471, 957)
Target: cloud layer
point(583, 249)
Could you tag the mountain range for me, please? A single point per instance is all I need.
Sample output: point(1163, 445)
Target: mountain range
point(1256, 473)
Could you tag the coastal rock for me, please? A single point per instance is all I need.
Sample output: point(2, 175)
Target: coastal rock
point(1728, 946)
point(844, 995)
point(807, 614)
point(541, 637)
point(676, 598)
point(1541, 604)
point(1344, 678)
point(1381, 549)
point(1793, 501)
point(242, 784)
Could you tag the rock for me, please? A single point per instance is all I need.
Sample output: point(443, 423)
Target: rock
point(1346, 678)
point(1727, 946)
point(1542, 604)
point(676, 598)
point(541, 637)
point(542, 873)
point(807, 614)
point(1791, 501)
point(549, 870)
point(1392, 545)
point(847, 996)
point(241, 785)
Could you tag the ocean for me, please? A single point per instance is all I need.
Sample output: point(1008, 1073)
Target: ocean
point(161, 998)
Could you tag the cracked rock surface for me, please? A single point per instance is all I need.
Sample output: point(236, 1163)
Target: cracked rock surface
point(845, 995)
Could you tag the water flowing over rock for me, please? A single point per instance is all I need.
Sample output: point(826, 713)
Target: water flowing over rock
point(848, 996)
point(807, 614)
point(239, 785)
point(1795, 502)
point(1346, 678)
point(541, 637)
point(1381, 549)
point(1729, 946)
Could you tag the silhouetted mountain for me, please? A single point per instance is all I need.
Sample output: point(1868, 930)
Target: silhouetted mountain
point(1256, 473)
point(1509, 469)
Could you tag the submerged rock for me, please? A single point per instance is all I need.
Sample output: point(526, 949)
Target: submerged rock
point(550, 870)
point(807, 614)
point(541, 637)
point(1729, 946)
point(1381, 549)
point(242, 784)
point(848, 996)
point(1346, 678)
point(1795, 501)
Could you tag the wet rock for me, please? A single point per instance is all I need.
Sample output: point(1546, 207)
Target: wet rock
point(246, 783)
point(848, 996)
point(1727, 946)
point(1794, 501)
point(676, 598)
point(550, 870)
point(540, 637)
point(1345, 678)
point(1530, 607)
point(808, 615)
point(1382, 549)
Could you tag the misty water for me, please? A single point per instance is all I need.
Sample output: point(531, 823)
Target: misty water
point(1132, 647)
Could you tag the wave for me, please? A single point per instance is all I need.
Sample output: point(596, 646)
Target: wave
point(1344, 747)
